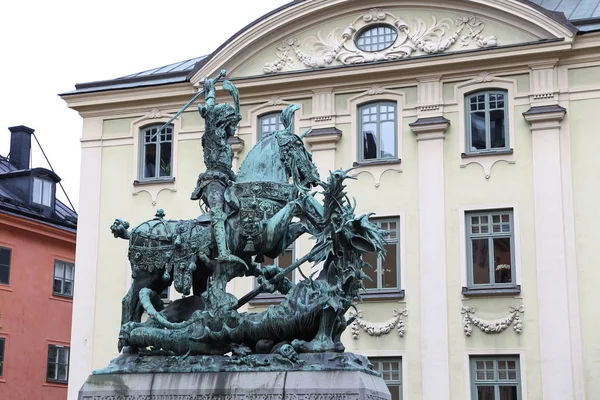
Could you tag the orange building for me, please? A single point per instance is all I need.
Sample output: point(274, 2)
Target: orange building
point(37, 255)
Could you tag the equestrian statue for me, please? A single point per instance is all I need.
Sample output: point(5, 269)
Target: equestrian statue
point(258, 212)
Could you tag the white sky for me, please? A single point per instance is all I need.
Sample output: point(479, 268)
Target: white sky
point(48, 46)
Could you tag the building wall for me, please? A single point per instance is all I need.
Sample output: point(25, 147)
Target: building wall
point(32, 316)
point(549, 182)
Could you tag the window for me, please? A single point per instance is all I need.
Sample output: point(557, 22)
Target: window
point(487, 118)
point(2, 342)
point(269, 123)
point(63, 278)
point(376, 38)
point(283, 261)
point(391, 372)
point(58, 364)
point(157, 152)
point(164, 295)
point(495, 378)
point(5, 265)
point(490, 249)
point(377, 124)
point(42, 191)
point(385, 274)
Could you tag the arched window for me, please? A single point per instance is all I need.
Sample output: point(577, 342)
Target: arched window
point(269, 123)
point(157, 152)
point(378, 131)
point(487, 121)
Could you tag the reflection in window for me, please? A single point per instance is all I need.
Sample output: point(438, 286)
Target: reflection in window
point(58, 364)
point(42, 191)
point(377, 123)
point(487, 118)
point(385, 274)
point(495, 378)
point(157, 152)
point(391, 372)
point(269, 123)
point(490, 248)
point(64, 275)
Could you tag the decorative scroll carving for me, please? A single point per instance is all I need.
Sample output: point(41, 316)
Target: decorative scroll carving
point(495, 326)
point(378, 329)
point(336, 48)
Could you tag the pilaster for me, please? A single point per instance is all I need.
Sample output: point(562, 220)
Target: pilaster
point(323, 142)
point(553, 293)
point(435, 370)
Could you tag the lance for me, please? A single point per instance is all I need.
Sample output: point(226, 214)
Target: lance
point(221, 75)
point(249, 296)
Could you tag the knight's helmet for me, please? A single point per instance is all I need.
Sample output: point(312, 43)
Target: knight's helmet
point(222, 113)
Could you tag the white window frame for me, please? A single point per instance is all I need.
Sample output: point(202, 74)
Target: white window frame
point(169, 130)
point(63, 279)
point(379, 266)
point(45, 191)
point(58, 349)
point(359, 132)
point(468, 124)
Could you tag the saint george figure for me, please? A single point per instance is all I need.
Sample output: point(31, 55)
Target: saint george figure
point(221, 121)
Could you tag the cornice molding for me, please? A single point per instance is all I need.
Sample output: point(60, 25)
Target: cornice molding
point(41, 228)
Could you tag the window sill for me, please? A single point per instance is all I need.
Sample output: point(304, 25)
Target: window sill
point(153, 181)
point(5, 288)
point(383, 295)
point(487, 153)
point(490, 291)
point(376, 162)
point(64, 299)
point(56, 384)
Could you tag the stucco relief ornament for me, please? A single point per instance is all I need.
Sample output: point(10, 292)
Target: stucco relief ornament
point(336, 48)
point(379, 329)
point(495, 326)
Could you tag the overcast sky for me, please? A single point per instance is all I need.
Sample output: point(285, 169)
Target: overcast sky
point(48, 46)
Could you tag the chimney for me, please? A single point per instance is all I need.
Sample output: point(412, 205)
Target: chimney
point(20, 146)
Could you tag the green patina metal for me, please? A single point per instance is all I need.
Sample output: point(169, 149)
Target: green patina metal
point(257, 213)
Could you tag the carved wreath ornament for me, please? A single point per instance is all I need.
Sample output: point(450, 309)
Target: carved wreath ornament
point(379, 329)
point(438, 37)
point(495, 326)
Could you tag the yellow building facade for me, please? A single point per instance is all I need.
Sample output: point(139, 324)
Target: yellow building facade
point(472, 126)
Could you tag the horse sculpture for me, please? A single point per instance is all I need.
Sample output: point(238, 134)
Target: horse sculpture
point(260, 206)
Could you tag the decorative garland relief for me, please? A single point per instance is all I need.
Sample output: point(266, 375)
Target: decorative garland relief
point(438, 37)
point(379, 329)
point(495, 326)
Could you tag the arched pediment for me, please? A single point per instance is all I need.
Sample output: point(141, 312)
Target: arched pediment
point(317, 34)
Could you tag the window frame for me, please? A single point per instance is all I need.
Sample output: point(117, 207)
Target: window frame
point(263, 117)
point(490, 236)
point(58, 348)
point(143, 143)
point(379, 266)
point(379, 361)
point(366, 47)
point(63, 279)
point(8, 266)
point(50, 185)
point(468, 125)
point(360, 141)
point(496, 382)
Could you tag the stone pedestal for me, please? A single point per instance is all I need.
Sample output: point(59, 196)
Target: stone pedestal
point(303, 381)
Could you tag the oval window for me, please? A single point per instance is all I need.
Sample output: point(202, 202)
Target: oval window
point(376, 38)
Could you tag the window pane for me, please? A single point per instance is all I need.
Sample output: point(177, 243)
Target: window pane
point(62, 373)
point(370, 258)
point(165, 159)
point(47, 193)
point(2, 342)
point(389, 272)
point(497, 132)
point(59, 270)
point(37, 190)
point(388, 140)
point(502, 260)
point(485, 393)
point(481, 261)
point(478, 130)
point(52, 354)
point(286, 259)
point(52, 373)
point(150, 161)
point(69, 271)
point(4, 274)
point(58, 286)
point(4, 256)
point(369, 141)
point(394, 391)
point(508, 393)
point(68, 289)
